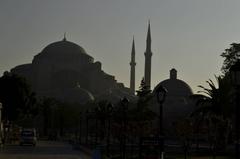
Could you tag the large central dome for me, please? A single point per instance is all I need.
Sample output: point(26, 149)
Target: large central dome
point(64, 52)
point(63, 47)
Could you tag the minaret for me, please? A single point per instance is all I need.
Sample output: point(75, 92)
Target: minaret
point(148, 56)
point(132, 72)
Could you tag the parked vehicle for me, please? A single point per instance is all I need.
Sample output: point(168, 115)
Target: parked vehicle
point(28, 137)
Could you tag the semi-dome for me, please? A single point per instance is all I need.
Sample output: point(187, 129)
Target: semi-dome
point(78, 95)
point(115, 95)
point(71, 95)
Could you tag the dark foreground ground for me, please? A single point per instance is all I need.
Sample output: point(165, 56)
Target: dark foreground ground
point(43, 150)
point(63, 150)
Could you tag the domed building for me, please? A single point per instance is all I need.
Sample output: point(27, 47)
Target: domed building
point(178, 104)
point(65, 71)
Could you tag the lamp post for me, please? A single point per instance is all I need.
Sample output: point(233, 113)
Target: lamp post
point(0, 115)
point(87, 116)
point(161, 96)
point(1, 126)
point(235, 79)
point(124, 103)
point(97, 116)
point(80, 128)
point(109, 113)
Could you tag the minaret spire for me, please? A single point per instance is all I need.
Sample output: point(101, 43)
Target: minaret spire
point(133, 50)
point(149, 40)
point(132, 72)
point(148, 57)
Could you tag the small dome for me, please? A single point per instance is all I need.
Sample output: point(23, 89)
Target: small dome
point(72, 95)
point(115, 95)
point(175, 86)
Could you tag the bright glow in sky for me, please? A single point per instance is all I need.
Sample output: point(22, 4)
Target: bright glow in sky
point(188, 35)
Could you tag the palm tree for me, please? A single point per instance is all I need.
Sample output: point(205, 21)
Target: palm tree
point(215, 108)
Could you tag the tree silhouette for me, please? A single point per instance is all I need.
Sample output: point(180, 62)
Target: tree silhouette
point(230, 56)
point(16, 96)
point(215, 107)
point(144, 90)
point(141, 115)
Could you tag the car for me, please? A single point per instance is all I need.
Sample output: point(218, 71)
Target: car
point(28, 137)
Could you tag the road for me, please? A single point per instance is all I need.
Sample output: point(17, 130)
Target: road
point(43, 150)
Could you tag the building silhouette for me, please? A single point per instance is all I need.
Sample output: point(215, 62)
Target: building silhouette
point(65, 71)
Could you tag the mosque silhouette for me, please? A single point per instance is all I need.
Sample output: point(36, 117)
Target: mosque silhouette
point(63, 70)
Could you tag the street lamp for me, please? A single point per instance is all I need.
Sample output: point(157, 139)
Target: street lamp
point(235, 79)
point(109, 113)
point(97, 116)
point(161, 96)
point(87, 117)
point(124, 103)
point(1, 121)
point(80, 128)
point(0, 115)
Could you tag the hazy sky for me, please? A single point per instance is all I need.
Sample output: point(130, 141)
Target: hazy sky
point(188, 35)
